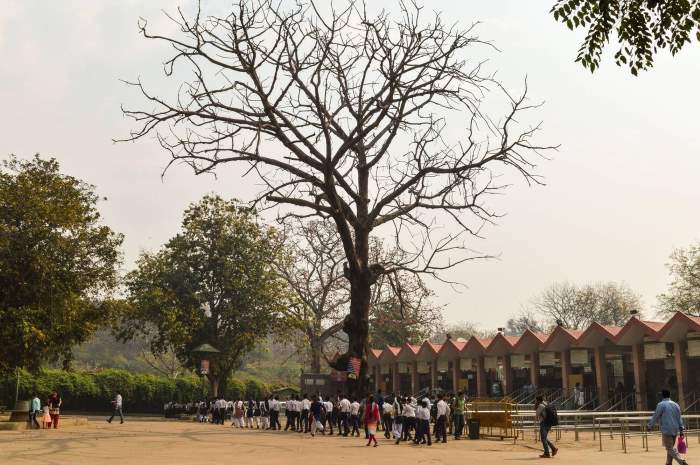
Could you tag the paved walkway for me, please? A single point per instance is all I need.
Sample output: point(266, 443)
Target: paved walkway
point(142, 441)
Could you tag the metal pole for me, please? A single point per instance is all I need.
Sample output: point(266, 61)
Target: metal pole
point(600, 435)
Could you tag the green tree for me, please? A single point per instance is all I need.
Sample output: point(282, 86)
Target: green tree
point(684, 291)
point(212, 283)
point(58, 263)
point(643, 27)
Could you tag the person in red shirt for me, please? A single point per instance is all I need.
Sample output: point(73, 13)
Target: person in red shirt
point(371, 419)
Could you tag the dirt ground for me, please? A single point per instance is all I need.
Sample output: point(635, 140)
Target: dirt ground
point(152, 441)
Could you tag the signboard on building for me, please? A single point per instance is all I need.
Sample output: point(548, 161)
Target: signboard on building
point(579, 357)
point(547, 359)
point(655, 351)
point(490, 363)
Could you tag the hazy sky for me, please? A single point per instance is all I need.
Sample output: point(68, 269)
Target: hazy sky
point(621, 193)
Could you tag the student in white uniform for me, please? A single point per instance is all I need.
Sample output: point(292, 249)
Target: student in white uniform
point(409, 414)
point(423, 423)
point(344, 406)
point(355, 417)
point(441, 420)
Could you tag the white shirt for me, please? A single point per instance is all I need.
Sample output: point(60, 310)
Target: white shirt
point(441, 408)
point(354, 408)
point(118, 400)
point(409, 411)
point(423, 413)
point(345, 406)
point(305, 404)
point(387, 408)
point(274, 405)
point(329, 406)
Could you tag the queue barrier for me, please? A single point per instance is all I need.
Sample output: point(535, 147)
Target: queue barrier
point(495, 417)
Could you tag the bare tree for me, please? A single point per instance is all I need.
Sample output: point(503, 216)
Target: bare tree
point(375, 123)
point(576, 307)
point(314, 272)
point(523, 321)
point(400, 308)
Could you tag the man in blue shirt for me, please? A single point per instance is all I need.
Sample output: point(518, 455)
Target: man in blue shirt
point(668, 416)
point(34, 411)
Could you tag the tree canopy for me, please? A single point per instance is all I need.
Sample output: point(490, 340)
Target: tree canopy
point(212, 283)
point(683, 294)
point(368, 120)
point(576, 307)
point(642, 27)
point(58, 263)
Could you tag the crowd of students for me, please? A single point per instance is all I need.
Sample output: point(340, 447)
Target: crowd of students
point(401, 418)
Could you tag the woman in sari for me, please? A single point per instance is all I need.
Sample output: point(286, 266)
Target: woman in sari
point(371, 417)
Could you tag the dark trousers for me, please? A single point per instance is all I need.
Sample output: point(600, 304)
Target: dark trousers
point(458, 425)
point(33, 420)
point(275, 420)
point(546, 443)
point(441, 428)
point(290, 421)
point(408, 424)
point(423, 432)
point(328, 422)
point(305, 420)
point(117, 411)
point(355, 423)
point(343, 424)
point(386, 424)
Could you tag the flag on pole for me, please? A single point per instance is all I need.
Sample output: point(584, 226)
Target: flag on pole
point(354, 364)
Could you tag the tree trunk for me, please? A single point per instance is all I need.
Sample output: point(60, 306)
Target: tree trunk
point(316, 346)
point(356, 326)
point(214, 381)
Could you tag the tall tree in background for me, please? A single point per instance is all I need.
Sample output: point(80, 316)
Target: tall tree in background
point(461, 330)
point(400, 308)
point(369, 121)
point(576, 307)
point(212, 283)
point(684, 291)
point(643, 27)
point(526, 319)
point(58, 263)
point(313, 270)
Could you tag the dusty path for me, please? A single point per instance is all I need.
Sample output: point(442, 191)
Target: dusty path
point(173, 443)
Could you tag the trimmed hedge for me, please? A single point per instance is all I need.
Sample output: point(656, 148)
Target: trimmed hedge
point(143, 393)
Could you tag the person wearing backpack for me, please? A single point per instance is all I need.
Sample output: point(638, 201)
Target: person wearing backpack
point(547, 416)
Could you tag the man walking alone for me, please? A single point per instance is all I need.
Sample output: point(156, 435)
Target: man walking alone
point(546, 423)
point(668, 416)
point(117, 404)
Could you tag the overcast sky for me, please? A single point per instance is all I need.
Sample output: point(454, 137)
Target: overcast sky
point(620, 194)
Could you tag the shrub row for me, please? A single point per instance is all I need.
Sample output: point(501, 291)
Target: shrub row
point(143, 393)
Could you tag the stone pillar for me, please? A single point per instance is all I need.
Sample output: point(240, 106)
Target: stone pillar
point(376, 377)
point(395, 377)
point(480, 378)
point(565, 360)
point(414, 377)
point(535, 369)
point(507, 376)
point(433, 374)
point(455, 375)
point(601, 373)
point(681, 361)
point(640, 377)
